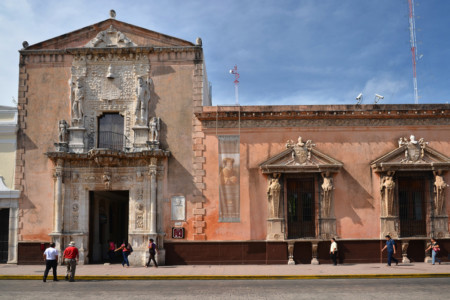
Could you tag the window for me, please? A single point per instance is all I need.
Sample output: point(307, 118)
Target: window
point(110, 131)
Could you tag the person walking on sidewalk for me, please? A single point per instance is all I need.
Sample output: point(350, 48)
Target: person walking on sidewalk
point(391, 250)
point(434, 251)
point(333, 251)
point(152, 249)
point(126, 250)
point(70, 258)
point(51, 261)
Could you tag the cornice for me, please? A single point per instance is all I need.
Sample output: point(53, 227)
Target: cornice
point(126, 50)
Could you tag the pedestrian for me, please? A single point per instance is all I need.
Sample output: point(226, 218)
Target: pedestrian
point(152, 249)
point(434, 251)
point(333, 251)
point(126, 250)
point(111, 253)
point(391, 250)
point(70, 258)
point(51, 261)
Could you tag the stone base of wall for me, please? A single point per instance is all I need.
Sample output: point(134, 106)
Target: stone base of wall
point(31, 253)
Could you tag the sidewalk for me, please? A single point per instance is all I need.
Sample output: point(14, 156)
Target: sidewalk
point(200, 272)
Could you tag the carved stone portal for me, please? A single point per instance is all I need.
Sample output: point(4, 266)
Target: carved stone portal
point(301, 152)
point(110, 38)
point(439, 193)
point(273, 193)
point(387, 189)
point(414, 150)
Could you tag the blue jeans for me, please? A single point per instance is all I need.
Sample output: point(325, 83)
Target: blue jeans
point(125, 258)
point(434, 257)
point(391, 257)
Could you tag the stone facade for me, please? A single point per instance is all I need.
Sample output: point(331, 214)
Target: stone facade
point(305, 173)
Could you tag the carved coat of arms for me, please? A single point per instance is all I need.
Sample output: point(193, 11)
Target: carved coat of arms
point(301, 152)
point(414, 150)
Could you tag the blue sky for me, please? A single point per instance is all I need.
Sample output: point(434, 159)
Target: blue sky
point(287, 52)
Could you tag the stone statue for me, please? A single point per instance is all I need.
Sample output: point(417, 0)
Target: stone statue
point(62, 136)
point(414, 150)
point(327, 189)
point(76, 98)
point(439, 192)
point(154, 129)
point(107, 181)
point(273, 193)
point(143, 97)
point(387, 193)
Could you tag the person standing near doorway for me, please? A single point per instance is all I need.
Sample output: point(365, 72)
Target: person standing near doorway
point(152, 249)
point(70, 258)
point(390, 246)
point(333, 251)
point(51, 261)
point(434, 251)
point(126, 250)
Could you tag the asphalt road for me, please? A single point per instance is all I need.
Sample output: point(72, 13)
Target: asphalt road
point(408, 288)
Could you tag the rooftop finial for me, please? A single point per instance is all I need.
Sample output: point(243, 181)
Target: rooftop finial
point(112, 14)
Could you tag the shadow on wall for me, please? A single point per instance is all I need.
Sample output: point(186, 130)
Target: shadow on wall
point(258, 204)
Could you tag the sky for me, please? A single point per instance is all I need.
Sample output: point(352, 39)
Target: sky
point(288, 52)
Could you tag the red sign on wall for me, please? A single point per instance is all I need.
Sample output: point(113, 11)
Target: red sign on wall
point(178, 232)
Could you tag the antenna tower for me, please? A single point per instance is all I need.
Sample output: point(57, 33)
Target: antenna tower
point(412, 33)
point(234, 71)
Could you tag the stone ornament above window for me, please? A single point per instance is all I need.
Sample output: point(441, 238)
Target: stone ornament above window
point(110, 38)
point(414, 150)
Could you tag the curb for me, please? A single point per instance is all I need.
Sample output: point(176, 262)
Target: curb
point(227, 277)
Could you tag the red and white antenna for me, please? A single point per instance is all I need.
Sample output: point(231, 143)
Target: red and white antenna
point(412, 33)
point(234, 71)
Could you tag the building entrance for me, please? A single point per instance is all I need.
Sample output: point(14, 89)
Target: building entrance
point(108, 221)
point(412, 209)
point(301, 207)
point(4, 234)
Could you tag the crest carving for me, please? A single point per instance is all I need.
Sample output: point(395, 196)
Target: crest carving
point(110, 38)
point(414, 150)
point(301, 152)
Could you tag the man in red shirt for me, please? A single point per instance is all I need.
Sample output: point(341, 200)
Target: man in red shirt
point(70, 258)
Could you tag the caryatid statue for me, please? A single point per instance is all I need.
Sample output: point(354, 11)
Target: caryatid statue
point(154, 129)
point(273, 193)
point(439, 192)
point(143, 98)
point(76, 98)
point(387, 193)
point(62, 136)
point(327, 189)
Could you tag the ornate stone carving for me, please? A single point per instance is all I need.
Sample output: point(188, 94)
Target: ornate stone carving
point(62, 136)
point(142, 99)
point(154, 129)
point(110, 38)
point(301, 152)
point(139, 221)
point(327, 192)
point(405, 245)
point(414, 150)
point(387, 189)
point(439, 192)
point(107, 180)
point(76, 100)
point(273, 193)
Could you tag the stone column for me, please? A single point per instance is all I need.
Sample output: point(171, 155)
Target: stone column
point(58, 196)
point(12, 239)
point(291, 245)
point(152, 172)
point(405, 245)
point(314, 246)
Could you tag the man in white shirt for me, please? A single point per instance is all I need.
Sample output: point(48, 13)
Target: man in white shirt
point(51, 261)
point(333, 251)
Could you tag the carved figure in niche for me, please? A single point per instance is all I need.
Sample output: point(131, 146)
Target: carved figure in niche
point(387, 193)
point(76, 98)
point(228, 175)
point(327, 189)
point(439, 192)
point(301, 152)
point(107, 181)
point(414, 150)
point(62, 136)
point(143, 97)
point(154, 129)
point(273, 193)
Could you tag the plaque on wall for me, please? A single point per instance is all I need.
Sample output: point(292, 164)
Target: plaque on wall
point(178, 232)
point(178, 208)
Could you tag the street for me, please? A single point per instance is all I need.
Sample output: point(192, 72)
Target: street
point(410, 288)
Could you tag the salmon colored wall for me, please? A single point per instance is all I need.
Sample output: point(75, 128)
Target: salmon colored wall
point(357, 196)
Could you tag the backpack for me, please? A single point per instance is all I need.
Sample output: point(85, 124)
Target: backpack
point(130, 249)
